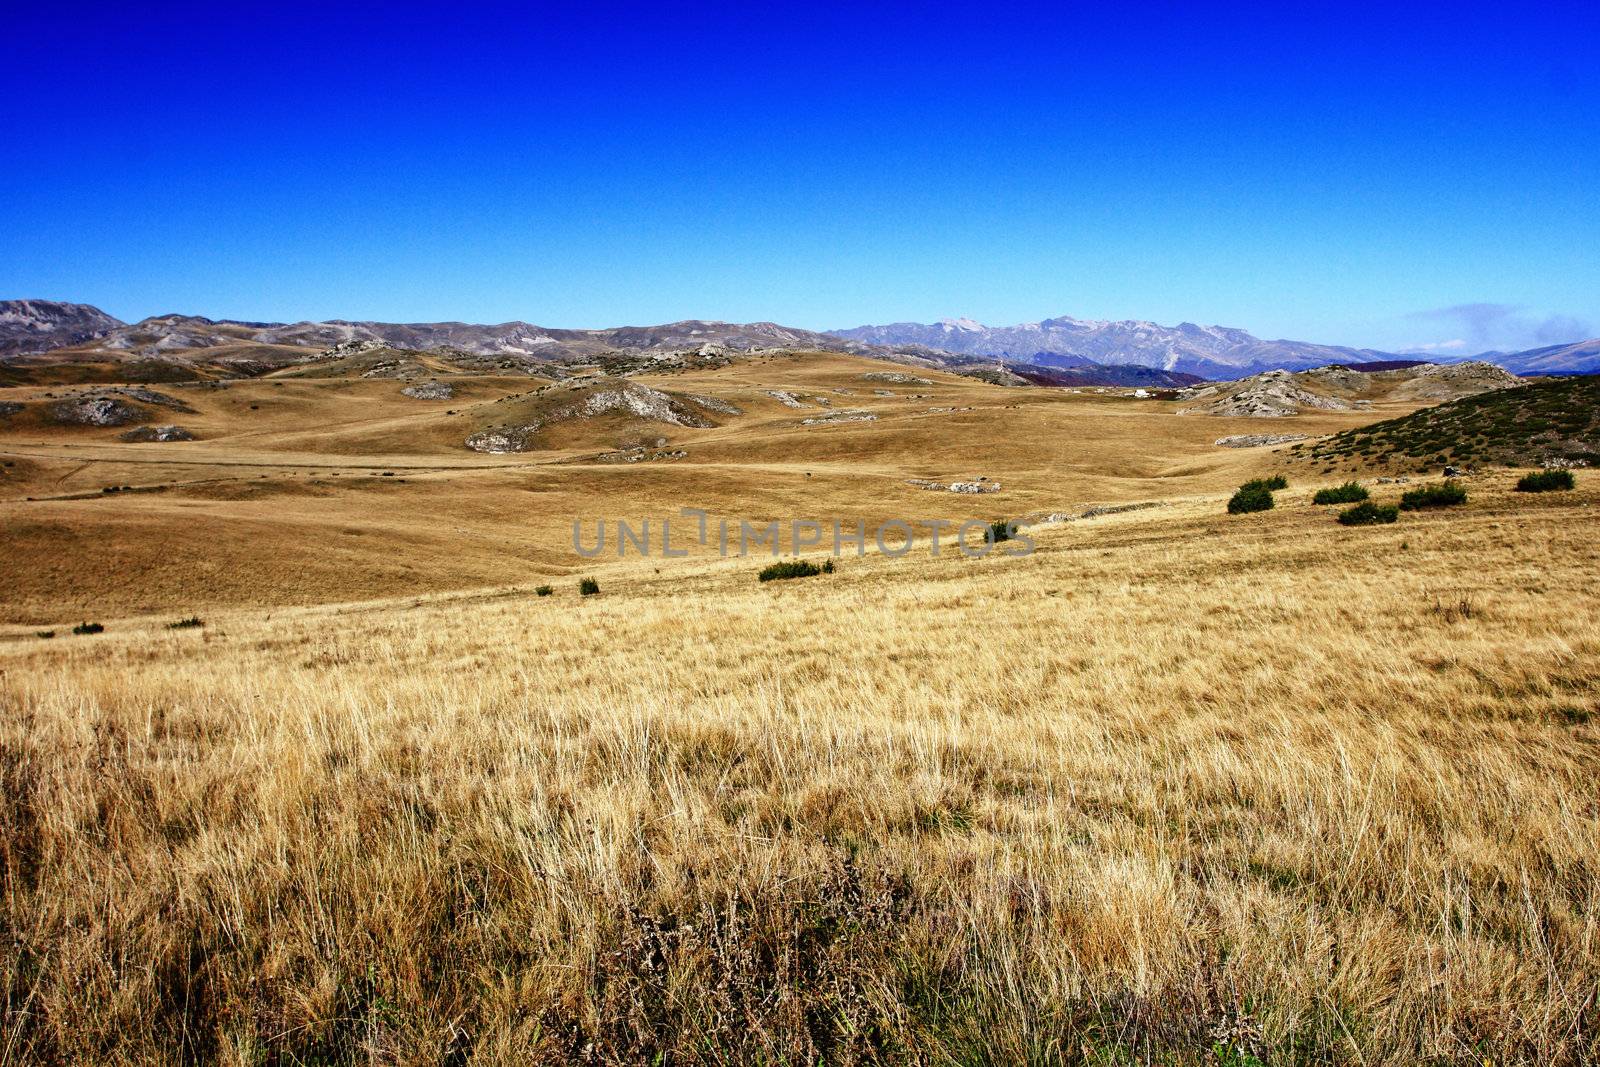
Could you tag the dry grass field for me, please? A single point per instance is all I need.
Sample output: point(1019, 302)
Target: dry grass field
point(1177, 788)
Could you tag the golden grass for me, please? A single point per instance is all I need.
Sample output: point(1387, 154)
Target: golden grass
point(283, 500)
point(1177, 788)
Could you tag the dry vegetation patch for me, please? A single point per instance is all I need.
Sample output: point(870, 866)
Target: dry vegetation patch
point(1255, 794)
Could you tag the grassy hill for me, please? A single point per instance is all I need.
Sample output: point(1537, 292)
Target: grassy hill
point(1523, 427)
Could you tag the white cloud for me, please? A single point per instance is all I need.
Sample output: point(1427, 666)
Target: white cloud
point(1438, 346)
point(1504, 326)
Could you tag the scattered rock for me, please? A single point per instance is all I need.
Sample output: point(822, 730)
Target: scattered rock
point(1256, 440)
point(430, 391)
point(895, 378)
point(150, 396)
point(1099, 510)
point(158, 433)
point(400, 369)
point(513, 439)
point(976, 485)
point(347, 348)
point(834, 417)
point(714, 403)
point(788, 400)
point(639, 454)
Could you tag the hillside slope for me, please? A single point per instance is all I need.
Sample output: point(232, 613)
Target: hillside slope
point(37, 325)
point(1279, 393)
point(1548, 423)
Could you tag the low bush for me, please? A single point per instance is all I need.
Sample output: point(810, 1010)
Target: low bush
point(1000, 530)
point(1277, 481)
point(1348, 493)
point(1441, 495)
point(191, 623)
point(88, 628)
point(44, 635)
point(1545, 482)
point(543, 590)
point(827, 566)
point(1367, 513)
point(588, 587)
point(1250, 498)
point(789, 568)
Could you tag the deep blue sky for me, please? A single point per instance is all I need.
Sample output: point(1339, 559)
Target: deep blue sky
point(1358, 176)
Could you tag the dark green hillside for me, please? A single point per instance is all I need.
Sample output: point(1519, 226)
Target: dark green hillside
point(1520, 427)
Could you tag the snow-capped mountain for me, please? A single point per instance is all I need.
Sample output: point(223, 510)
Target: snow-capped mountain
point(1209, 351)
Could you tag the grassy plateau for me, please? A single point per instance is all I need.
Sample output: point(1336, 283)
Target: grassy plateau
point(338, 785)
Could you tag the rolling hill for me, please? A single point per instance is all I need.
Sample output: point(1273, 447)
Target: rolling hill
point(1546, 423)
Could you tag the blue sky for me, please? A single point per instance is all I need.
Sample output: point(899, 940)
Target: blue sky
point(1348, 175)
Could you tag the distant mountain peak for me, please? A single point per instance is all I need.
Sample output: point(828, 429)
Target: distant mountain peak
point(1189, 348)
point(40, 325)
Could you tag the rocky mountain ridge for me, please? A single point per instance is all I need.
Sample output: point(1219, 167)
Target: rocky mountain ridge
point(1213, 352)
point(1075, 350)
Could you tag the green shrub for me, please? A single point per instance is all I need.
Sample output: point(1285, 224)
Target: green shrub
point(1367, 513)
point(1441, 495)
point(789, 568)
point(1348, 493)
point(588, 587)
point(827, 566)
point(1250, 498)
point(543, 590)
point(1000, 530)
point(1545, 482)
point(191, 623)
point(88, 628)
point(44, 635)
point(1277, 481)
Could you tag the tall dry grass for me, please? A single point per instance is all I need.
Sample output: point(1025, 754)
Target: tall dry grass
point(1167, 791)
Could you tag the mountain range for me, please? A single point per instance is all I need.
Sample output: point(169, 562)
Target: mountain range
point(1052, 351)
point(1216, 352)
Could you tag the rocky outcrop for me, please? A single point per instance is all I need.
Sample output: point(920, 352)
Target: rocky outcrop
point(1452, 381)
point(430, 391)
point(157, 433)
point(587, 399)
point(96, 411)
point(975, 485)
point(1275, 394)
point(1258, 440)
point(1278, 393)
point(714, 403)
point(833, 418)
point(1096, 512)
